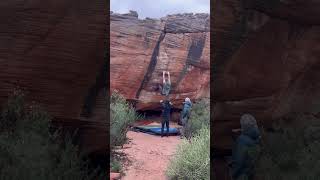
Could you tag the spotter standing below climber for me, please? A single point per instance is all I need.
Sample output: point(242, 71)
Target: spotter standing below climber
point(166, 105)
point(242, 164)
point(184, 116)
point(166, 83)
point(185, 113)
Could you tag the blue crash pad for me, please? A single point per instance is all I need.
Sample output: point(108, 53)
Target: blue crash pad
point(155, 130)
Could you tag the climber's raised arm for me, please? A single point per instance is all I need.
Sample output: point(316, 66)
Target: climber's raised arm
point(163, 77)
point(169, 77)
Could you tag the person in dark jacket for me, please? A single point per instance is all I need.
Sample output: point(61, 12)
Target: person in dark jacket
point(166, 105)
point(242, 163)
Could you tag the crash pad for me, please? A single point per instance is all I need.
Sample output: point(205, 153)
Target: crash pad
point(156, 130)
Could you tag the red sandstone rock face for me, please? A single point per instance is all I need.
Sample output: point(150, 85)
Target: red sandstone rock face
point(266, 63)
point(54, 51)
point(141, 49)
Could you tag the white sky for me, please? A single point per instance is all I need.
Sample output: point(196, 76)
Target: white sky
point(160, 8)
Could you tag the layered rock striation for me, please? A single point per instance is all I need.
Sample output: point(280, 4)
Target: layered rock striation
point(266, 62)
point(141, 49)
point(54, 51)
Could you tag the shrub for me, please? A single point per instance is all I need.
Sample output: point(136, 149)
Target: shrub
point(200, 116)
point(192, 160)
point(121, 116)
point(13, 111)
point(291, 152)
point(29, 151)
point(115, 165)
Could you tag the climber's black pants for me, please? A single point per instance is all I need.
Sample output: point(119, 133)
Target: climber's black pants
point(165, 121)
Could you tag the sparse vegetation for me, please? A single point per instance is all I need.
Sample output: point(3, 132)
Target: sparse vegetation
point(192, 159)
point(29, 151)
point(115, 165)
point(200, 117)
point(291, 152)
point(121, 116)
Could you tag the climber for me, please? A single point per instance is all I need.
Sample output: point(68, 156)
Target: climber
point(185, 113)
point(166, 84)
point(166, 105)
point(245, 150)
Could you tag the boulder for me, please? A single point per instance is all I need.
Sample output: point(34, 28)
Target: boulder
point(267, 62)
point(141, 50)
point(54, 51)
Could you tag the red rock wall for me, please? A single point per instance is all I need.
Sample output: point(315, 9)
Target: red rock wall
point(141, 49)
point(53, 50)
point(270, 66)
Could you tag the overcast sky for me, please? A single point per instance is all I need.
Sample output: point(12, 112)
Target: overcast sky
point(160, 8)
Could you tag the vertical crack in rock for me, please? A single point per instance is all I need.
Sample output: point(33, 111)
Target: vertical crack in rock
point(238, 35)
point(94, 90)
point(152, 64)
point(238, 32)
point(194, 54)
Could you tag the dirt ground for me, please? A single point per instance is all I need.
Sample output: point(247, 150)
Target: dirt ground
point(149, 155)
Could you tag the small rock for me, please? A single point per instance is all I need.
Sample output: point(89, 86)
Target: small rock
point(133, 13)
point(114, 176)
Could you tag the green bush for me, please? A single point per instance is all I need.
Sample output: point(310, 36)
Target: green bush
point(29, 151)
point(121, 116)
point(291, 152)
point(115, 165)
point(12, 112)
point(200, 116)
point(192, 159)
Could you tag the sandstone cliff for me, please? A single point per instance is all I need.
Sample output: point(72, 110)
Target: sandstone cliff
point(141, 49)
point(54, 51)
point(266, 61)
